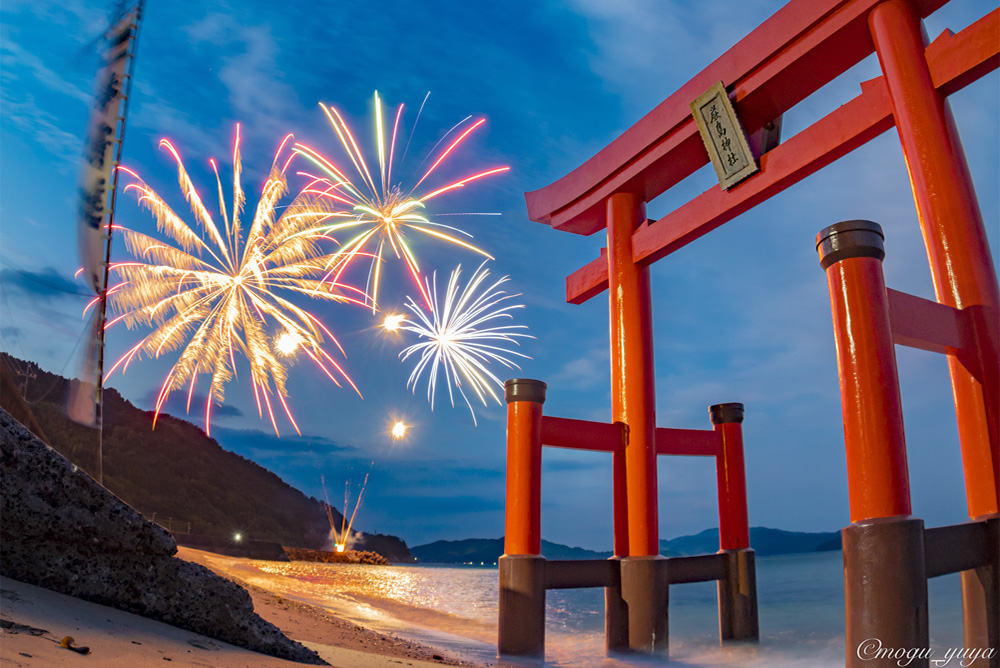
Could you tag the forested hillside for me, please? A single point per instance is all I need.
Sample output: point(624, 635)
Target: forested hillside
point(176, 471)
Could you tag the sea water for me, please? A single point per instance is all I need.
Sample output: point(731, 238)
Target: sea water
point(800, 597)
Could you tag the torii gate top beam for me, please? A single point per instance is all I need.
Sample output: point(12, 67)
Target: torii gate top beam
point(811, 54)
point(799, 49)
point(954, 61)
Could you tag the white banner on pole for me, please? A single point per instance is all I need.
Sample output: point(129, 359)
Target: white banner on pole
point(99, 152)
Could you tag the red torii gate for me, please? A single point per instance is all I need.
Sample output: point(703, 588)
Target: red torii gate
point(799, 49)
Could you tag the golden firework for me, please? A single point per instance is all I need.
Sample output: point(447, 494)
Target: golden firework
point(213, 294)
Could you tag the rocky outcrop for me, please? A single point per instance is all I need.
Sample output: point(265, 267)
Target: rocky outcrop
point(345, 557)
point(62, 531)
point(390, 547)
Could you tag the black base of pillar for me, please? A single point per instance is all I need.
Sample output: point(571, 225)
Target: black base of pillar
point(645, 591)
point(738, 598)
point(615, 617)
point(885, 591)
point(521, 629)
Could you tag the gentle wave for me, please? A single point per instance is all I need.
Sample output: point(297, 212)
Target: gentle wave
point(800, 598)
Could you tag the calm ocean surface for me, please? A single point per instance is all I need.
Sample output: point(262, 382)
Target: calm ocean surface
point(801, 602)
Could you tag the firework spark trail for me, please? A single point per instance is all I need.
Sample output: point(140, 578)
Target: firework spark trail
point(340, 538)
point(214, 297)
point(329, 511)
point(456, 340)
point(415, 121)
point(381, 213)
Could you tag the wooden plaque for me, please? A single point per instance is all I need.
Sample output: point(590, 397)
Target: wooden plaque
point(724, 138)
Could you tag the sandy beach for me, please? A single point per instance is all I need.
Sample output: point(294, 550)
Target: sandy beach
point(36, 620)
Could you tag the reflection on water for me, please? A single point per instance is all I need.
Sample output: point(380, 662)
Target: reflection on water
point(451, 607)
point(800, 596)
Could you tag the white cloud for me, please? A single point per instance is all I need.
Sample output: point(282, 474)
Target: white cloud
point(15, 59)
point(257, 93)
point(636, 42)
point(22, 70)
point(583, 373)
point(82, 20)
point(26, 115)
point(166, 120)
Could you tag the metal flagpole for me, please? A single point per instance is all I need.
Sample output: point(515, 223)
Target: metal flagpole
point(103, 308)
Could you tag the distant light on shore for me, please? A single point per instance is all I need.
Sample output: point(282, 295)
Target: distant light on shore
point(237, 537)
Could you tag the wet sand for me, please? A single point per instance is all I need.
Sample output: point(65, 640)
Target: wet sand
point(35, 620)
point(310, 624)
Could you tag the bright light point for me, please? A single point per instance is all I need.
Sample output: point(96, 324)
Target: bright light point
point(287, 343)
point(238, 537)
point(340, 547)
point(393, 322)
point(398, 430)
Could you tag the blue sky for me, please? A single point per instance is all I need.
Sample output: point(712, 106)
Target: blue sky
point(740, 315)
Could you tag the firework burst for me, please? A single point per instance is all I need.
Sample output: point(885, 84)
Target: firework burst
point(461, 337)
point(213, 294)
point(381, 213)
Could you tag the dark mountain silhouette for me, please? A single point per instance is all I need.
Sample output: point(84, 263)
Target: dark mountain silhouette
point(176, 472)
point(765, 542)
point(487, 550)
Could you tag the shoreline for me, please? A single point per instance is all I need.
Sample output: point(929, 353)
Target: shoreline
point(316, 625)
point(35, 620)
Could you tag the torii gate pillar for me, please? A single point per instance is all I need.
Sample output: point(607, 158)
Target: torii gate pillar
point(960, 262)
point(644, 588)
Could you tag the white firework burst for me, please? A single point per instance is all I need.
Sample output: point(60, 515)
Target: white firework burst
point(462, 336)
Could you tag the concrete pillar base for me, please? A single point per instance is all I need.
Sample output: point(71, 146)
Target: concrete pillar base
point(885, 590)
point(645, 592)
point(738, 598)
point(521, 629)
point(615, 617)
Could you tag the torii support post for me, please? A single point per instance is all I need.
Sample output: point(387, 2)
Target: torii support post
point(960, 261)
point(738, 591)
point(521, 625)
point(644, 588)
point(885, 584)
point(954, 234)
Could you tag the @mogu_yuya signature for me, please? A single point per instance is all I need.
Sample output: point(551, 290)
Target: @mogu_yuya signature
point(872, 649)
